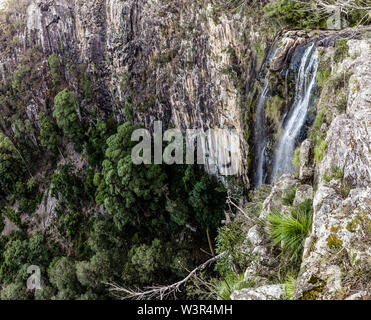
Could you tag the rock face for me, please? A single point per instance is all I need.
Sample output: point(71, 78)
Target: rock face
point(191, 67)
point(336, 262)
point(306, 168)
point(339, 245)
point(270, 292)
point(287, 47)
point(175, 61)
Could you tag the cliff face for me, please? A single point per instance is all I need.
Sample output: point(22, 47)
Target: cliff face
point(191, 65)
point(336, 176)
point(199, 64)
point(339, 245)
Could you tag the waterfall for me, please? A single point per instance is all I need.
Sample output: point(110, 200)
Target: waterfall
point(260, 135)
point(260, 138)
point(296, 118)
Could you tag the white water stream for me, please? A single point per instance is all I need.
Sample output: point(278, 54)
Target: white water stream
point(295, 120)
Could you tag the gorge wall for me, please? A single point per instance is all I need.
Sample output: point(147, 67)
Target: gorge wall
point(209, 64)
point(190, 65)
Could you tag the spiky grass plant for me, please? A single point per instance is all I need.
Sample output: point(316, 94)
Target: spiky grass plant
point(231, 283)
point(290, 287)
point(290, 230)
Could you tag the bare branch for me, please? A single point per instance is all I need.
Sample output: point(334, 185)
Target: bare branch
point(160, 292)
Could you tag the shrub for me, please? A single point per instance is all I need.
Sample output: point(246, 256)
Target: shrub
point(50, 137)
point(324, 71)
point(289, 230)
point(232, 282)
point(11, 165)
point(296, 159)
point(62, 274)
point(65, 104)
point(289, 196)
point(319, 150)
point(15, 291)
point(2, 224)
point(289, 287)
point(55, 67)
point(12, 215)
point(67, 186)
point(341, 50)
point(230, 238)
point(288, 13)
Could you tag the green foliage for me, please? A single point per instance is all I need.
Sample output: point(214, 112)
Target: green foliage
point(55, 67)
point(274, 108)
point(65, 111)
point(358, 16)
point(341, 101)
point(11, 165)
point(289, 230)
point(296, 159)
point(338, 174)
point(28, 195)
point(12, 215)
point(22, 72)
point(50, 137)
point(341, 50)
point(94, 273)
point(289, 287)
point(231, 283)
point(319, 150)
point(15, 291)
point(288, 13)
point(320, 118)
point(86, 86)
point(144, 262)
point(20, 253)
point(95, 146)
point(289, 196)
point(318, 137)
point(334, 242)
point(207, 198)
point(324, 71)
point(301, 14)
point(230, 238)
point(62, 274)
point(126, 184)
point(67, 186)
point(45, 293)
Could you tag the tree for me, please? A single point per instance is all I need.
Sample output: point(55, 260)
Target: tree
point(50, 137)
point(11, 165)
point(45, 293)
point(15, 256)
point(207, 199)
point(131, 194)
point(62, 274)
point(15, 291)
point(92, 274)
point(65, 111)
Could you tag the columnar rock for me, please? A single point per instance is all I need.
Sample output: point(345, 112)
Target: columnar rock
point(339, 245)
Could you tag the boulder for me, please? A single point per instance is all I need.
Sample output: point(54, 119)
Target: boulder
point(284, 51)
point(269, 292)
point(304, 192)
point(306, 169)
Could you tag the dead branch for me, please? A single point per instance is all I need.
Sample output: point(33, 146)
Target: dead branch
point(159, 292)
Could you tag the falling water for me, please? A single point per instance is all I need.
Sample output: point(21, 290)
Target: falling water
point(295, 120)
point(260, 128)
point(260, 139)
